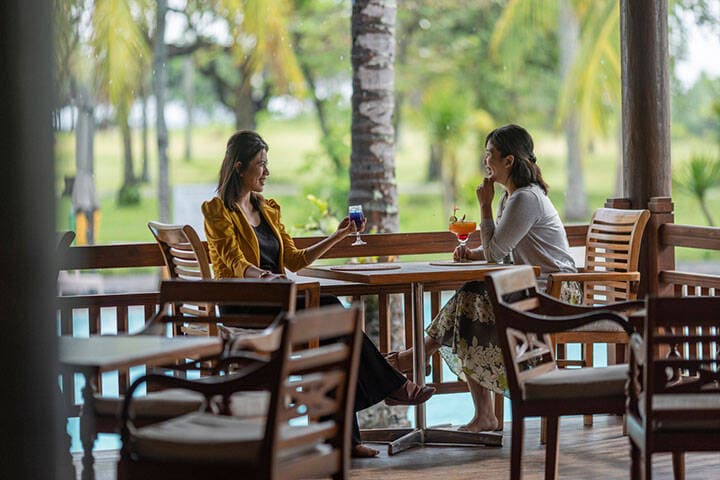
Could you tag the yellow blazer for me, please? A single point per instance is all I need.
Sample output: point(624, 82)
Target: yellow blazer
point(233, 244)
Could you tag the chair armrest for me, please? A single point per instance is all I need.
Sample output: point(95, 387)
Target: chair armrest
point(241, 359)
point(557, 307)
point(209, 386)
point(555, 280)
point(266, 341)
point(534, 323)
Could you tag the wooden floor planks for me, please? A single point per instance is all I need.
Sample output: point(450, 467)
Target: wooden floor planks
point(598, 452)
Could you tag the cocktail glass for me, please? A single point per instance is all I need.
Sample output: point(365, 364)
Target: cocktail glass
point(356, 215)
point(462, 230)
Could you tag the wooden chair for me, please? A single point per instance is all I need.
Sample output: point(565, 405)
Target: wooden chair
point(612, 251)
point(306, 432)
point(163, 404)
point(673, 393)
point(525, 319)
point(610, 275)
point(186, 259)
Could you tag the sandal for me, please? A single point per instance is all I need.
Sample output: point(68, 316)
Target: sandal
point(410, 394)
point(393, 358)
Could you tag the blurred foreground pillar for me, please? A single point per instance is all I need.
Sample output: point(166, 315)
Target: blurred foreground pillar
point(32, 441)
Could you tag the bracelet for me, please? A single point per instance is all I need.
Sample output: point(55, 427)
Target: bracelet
point(265, 273)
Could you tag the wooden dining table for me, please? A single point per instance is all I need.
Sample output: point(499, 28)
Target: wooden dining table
point(417, 275)
point(93, 355)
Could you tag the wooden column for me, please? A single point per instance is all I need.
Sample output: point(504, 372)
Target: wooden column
point(646, 124)
point(645, 100)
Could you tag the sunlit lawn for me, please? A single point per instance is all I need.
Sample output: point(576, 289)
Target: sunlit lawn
point(296, 159)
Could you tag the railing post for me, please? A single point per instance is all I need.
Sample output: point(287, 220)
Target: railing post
point(623, 203)
point(660, 257)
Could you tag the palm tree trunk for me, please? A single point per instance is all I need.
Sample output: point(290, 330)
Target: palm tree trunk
point(188, 87)
point(372, 161)
point(575, 194)
point(128, 170)
point(145, 174)
point(83, 198)
point(706, 212)
point(160, 84)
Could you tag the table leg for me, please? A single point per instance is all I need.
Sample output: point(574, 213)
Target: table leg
point(415, 437)
point(87, 428)
point(419, 348)
point(421, 434)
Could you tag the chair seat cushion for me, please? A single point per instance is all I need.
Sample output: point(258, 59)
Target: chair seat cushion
point(685, 411)
point(177, 401)
point(578, 383)
point(599, 326)
point(201, 437)
point(161, 404)
point(249, 404)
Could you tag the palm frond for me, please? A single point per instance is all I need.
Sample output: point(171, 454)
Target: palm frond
point(120, 50)
point(593, 85)
point(697, 176)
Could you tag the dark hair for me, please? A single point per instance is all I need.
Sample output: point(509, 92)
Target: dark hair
point(242, 147)
point(516, 141)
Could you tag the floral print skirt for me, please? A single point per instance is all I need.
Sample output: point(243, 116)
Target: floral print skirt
point(465, 327)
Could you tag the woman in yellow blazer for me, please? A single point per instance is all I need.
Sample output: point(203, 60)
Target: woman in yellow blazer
point(247, 239)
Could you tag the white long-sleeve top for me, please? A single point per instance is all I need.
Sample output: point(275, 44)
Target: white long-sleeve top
point(529, 229)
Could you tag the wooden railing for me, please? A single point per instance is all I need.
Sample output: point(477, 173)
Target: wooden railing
point(143, 255)
point(100, 308)
point(687, 283)
point(406, 245)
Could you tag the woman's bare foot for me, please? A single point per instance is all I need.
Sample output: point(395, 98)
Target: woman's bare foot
point(480, 424)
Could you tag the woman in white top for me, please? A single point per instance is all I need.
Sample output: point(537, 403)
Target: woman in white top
point(528, 230)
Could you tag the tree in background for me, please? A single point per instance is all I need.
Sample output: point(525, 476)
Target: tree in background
point(446, 112)
point(77, 84)
point(159, 86)
point(372, 162)
point(519, 24)
point(696, 178)
point(321, 44)
point(256, 62)
point(121, 56)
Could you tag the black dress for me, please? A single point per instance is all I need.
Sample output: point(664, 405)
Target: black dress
point(376, 378)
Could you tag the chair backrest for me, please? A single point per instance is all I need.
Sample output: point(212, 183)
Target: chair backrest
point(271, 296)
point(183, 251)
point(681, 357)
point(316, 385)
point(64, 240)
point(513, 292)
point(613, 245)
point(185, 259)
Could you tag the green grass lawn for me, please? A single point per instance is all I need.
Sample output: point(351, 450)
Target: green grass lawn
point(295, 160)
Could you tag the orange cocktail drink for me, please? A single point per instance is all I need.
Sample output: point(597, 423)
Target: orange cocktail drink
point(462, 230)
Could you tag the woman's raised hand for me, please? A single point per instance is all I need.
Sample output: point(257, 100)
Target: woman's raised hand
point(485, 192)
point(348, 227)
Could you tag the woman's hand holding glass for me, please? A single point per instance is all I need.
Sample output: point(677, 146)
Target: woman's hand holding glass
point(463, 253)
point(347, 227)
